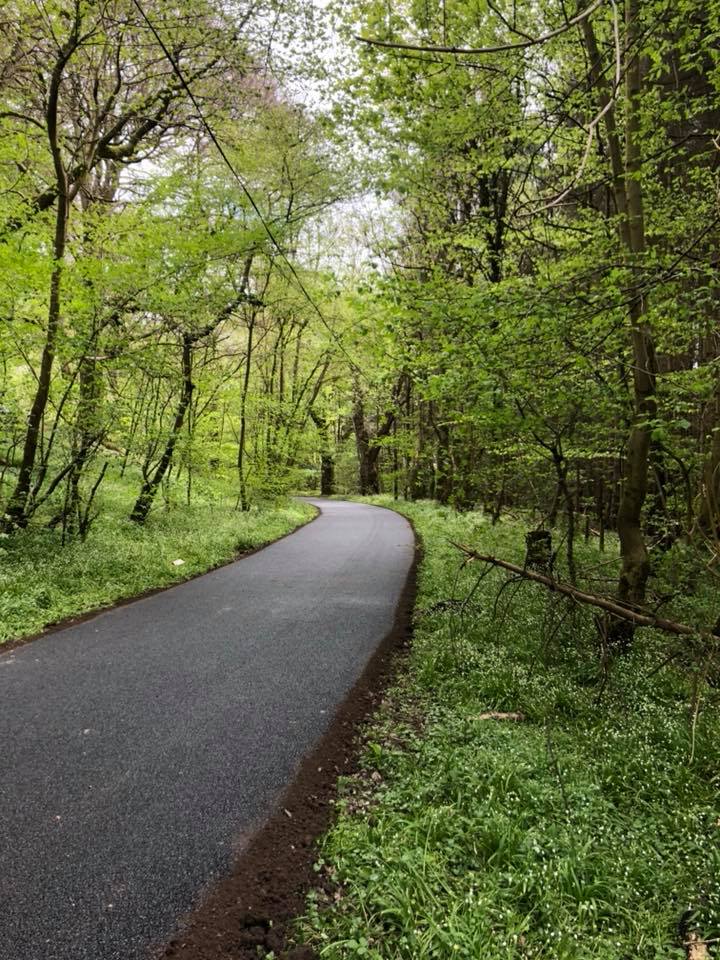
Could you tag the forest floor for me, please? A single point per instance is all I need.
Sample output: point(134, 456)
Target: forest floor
point(44, 582)
point(505, 808)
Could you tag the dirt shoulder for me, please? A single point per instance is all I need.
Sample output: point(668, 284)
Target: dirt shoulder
point(251, 911)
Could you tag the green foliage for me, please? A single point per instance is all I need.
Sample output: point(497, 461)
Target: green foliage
point(581, 831)
point(507, 290)
point(167, 320)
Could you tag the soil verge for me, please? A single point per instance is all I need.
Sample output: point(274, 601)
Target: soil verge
point(250, 912)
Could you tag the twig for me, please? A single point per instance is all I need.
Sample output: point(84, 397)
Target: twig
point(499, 48)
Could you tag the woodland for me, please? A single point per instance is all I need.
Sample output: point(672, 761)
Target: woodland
point(524, 317)
point(452, 251)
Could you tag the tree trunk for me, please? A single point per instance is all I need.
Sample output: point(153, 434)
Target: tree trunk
point(18, 508)
point(150, 486)
point(367, 454)
point(561, 470)
point(242, 475)
point(327, 475)
point(443, 464)
point(627, 191)
point(708, 514)
point(88, 432)
point(635, 560)
point(327, 458)
point(368, 450)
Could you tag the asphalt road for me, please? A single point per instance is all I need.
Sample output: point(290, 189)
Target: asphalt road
point(138, 748)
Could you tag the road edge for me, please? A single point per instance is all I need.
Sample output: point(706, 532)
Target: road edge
point(57, 625)
point(252, 909)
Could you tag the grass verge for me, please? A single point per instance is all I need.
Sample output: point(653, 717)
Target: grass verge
point(43, 581)
point(589, 829)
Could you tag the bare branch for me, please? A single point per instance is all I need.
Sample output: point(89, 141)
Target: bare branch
point(476, 51)
point(640, 619)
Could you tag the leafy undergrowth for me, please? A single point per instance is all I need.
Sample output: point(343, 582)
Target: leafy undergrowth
point(43, 581)
point(581, 830)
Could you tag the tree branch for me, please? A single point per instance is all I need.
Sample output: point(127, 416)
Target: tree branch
point(475, 51)
point(613, 607)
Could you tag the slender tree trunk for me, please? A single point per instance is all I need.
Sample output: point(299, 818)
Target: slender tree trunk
point(242, 473)
point(327, 458)
point(499, 503)
point(443, 461)
point(396, 465)
point(708, 513)
point(88, 431)
point(421, 486)
point(561, 470)
point(553, 512)
point(151, 484)
point(635, 560)
point(629, 203)
point(18, 508)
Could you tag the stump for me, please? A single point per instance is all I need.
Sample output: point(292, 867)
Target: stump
point(538, 556)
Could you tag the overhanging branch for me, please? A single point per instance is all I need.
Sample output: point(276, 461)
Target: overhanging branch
point(475, 51)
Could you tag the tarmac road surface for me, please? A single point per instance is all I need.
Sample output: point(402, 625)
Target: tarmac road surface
point(139, 747)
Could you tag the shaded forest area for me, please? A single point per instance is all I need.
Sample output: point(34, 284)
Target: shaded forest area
point(555, 297)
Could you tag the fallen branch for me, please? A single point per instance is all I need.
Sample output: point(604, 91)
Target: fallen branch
point(591, 599)
point(498, 715)
point(696, 947)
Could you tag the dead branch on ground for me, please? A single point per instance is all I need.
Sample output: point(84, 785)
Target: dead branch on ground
point(613, 607)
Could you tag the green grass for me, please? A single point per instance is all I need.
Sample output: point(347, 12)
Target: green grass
point(43, 581)
point(583, 832)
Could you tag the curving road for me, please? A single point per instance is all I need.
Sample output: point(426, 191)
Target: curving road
point(137, 748)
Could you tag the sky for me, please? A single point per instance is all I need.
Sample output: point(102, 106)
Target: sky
point(350, 235)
